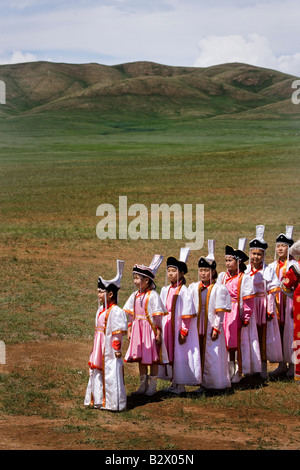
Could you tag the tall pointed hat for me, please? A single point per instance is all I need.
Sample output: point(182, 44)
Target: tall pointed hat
point(115, 283)
point(286, 237)
point(148, 271)
point(208, 261)
point(181, 262)
point(258, 241)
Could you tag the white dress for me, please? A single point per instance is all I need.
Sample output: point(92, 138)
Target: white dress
point(186, 365)
point(215, 301)
point(106, 382)
point(284, 308)
point(265, 286)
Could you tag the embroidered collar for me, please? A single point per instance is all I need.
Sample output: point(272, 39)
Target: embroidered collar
point(177, 284)
point(109, 307)
point(229, 277)
point(203, 286)
point(140, 294)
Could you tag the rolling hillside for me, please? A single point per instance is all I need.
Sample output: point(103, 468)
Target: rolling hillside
point(146, 88)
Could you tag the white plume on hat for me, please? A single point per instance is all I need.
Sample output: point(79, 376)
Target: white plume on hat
point(286, 237)
point(260, 230)
point(242, 244)
point(258, 241)
point(116, 281)
point(211, 250)
point(289, 229)
point(184, 254)
point(155, 263)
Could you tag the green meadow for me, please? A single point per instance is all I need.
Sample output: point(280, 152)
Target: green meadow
point(55, 170)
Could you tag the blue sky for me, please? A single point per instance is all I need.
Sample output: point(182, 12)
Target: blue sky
point(172, 32)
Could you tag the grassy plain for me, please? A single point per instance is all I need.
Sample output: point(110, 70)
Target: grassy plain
point(55, 170)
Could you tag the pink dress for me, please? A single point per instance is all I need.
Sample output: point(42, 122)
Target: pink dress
point(145, 311)
point(96, 356)
point(232, 320)
point(266, 285)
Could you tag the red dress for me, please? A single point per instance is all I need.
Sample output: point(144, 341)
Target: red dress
point(291, 285)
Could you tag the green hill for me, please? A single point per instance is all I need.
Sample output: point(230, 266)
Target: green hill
point(146, 88)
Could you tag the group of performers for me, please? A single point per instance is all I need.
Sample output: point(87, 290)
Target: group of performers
point(209, 334)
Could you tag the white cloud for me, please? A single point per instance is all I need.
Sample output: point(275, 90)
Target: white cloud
point(18, 57)
point(165, 31)
point(221, 49)
point(253, 49)
point(290, 64)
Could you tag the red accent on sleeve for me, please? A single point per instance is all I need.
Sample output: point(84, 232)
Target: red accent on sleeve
point(116, 345)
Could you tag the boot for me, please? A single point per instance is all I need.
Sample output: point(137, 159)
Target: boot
point(291, 371)
point(178, 389)
point(237, 377)
point(143, 385)
point(231, 369)
point(264, 372)
point(281, 370)
point(151, 390)
point(171, 388)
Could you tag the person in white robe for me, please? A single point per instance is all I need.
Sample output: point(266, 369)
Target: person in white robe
point(106, 388)
point(284, 304)
point(180, 329)
point(211, 301)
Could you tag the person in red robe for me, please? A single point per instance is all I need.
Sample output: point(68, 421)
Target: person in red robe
point(291, 287)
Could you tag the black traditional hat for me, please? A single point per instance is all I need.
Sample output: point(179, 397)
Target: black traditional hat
point(287, 236)
point(114, 284)
point(258, 241)
point(180, 263)
point(208, 261)
point(239, 253)
point(148, 271)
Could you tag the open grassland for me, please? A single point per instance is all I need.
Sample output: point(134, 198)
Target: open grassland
point(55, 170)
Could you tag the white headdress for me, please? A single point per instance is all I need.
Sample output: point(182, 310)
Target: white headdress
point(113, 284)
point(209, 260)
point(287, 239)
point(258, 241)
point(149, 271)
point(116, 281)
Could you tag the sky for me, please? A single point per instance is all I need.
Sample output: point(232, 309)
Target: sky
point(186, 33)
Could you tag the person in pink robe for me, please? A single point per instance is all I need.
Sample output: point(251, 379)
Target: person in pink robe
point(145, 311)
point(265, 286)
point(242, 345)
